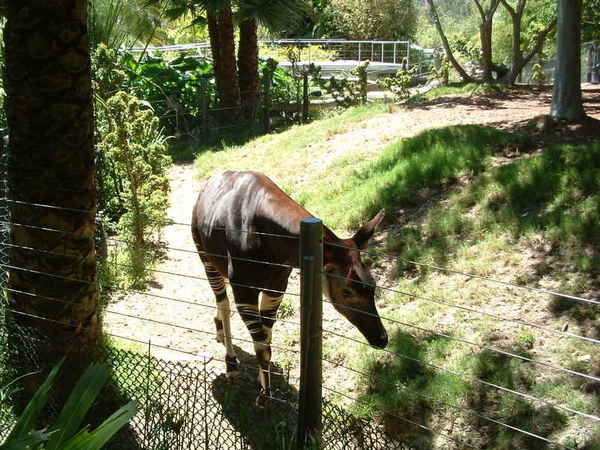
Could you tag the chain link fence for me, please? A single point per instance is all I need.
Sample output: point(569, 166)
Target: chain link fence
point(189, 405)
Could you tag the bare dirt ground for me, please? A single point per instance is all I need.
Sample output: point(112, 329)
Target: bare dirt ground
point(185, 303)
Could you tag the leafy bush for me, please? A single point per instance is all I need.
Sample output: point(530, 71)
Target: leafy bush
point(67, 432)
point(172, 87)
point(134, 145)
point(399, 84)
point(347, 91)
point(314, 52)
point(441, 71)
point(537, 75)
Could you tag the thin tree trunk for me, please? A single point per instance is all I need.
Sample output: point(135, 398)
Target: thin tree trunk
point(485, 35)
point(230, 87)
point(436, 20)
point(214, 36)
point(52, 281)
point(566, 97)
point(519, 60)
point(537, 48)
point(248, 67)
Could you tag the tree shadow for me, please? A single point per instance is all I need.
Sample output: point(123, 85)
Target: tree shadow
point(475, 101)
point(400, 388)
point(512, 417)
point(262, 428)
point(417, 175)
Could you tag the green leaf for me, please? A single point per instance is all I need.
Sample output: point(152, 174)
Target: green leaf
point(32, 439)
point(95, 440)
point(78, 404)
point(25, 423)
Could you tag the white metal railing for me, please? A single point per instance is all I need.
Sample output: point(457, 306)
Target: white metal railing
point(392, 52)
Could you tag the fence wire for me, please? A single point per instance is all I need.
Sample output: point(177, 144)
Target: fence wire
point(166, 419)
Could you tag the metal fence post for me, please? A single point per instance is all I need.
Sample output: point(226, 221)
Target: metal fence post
point(311, 310)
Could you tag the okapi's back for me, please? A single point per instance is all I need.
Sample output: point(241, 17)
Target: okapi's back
point(233, 206)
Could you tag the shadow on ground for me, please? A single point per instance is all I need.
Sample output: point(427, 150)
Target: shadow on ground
point(271, 427)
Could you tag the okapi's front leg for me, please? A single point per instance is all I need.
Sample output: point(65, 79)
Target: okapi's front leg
point(246, 300)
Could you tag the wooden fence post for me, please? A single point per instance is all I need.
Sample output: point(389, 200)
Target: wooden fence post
point(311, 310)
point(305, 98)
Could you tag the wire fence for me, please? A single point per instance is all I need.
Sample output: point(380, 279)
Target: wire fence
point(190, 405)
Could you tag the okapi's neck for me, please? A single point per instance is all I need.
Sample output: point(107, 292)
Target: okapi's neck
point(331, 253)
point(335, 252)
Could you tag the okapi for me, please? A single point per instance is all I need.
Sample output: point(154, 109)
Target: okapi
point(235, 220)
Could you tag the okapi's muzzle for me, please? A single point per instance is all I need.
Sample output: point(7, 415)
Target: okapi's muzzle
point(380, 341)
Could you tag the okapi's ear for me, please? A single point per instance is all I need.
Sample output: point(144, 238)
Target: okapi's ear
point(362, 236)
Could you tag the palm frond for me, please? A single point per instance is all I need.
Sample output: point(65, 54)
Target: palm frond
point(274, 15)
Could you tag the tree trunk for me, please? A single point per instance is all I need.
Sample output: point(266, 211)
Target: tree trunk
point(519, 60)
point(213, 34)
point(566, 97)
point(516, 16)
point(52, 281)
point(248, 67)
point(485, 35)
point(436, 20)
point(230, 87)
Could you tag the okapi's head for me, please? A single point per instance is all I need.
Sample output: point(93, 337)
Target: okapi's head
point(349, 285)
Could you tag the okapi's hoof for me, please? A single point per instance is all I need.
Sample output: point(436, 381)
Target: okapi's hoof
point(233, 367)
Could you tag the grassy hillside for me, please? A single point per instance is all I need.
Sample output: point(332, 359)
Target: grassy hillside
point(478, 201)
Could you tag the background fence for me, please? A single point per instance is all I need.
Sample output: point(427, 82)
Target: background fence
point(320, 50)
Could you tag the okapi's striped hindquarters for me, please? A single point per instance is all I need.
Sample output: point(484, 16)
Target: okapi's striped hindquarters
point(247, 230)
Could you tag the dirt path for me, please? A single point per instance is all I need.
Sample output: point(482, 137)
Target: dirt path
point(192, 316)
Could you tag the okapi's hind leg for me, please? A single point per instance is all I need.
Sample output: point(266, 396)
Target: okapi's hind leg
point(269, 304)
point(246, 300)
point(222, 319)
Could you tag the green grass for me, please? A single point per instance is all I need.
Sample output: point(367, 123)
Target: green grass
point(456, 200)
point(405, 175)
point(284, 156)
point(549, 203)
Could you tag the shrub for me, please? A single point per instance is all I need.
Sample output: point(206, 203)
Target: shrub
point(134, 145)
point(345, 91)
point(399, 84)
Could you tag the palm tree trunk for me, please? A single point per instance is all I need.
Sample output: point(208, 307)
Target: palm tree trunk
point(52, 280)
point(229, 83)
point(248, 67)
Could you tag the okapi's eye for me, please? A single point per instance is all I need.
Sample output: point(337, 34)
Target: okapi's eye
point(347, 293)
